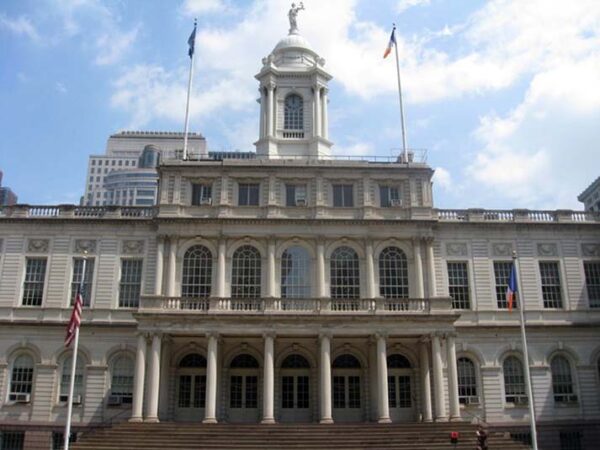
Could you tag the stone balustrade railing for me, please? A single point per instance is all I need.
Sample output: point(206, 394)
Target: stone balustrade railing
point(77, 212)
point(516, 215)
point(155, 303)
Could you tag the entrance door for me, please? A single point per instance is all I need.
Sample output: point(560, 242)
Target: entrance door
point(191, 388)
point(295, 389)
point(347, 392)
point(400, 389)
point(243, 389)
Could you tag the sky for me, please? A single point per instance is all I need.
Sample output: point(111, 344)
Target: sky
point(503, 94)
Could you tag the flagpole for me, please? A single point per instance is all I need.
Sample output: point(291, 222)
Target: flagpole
point(404, 147)
point(521, 307)
point(74, 366)
point(187, 104)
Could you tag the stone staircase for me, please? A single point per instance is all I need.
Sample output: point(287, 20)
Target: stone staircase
point(196, 436)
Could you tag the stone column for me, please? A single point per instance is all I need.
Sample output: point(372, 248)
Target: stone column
point(325, 127)
point(138, 381)
point(210, 409)
point(269, 381)
point(271, 112)
point(383, 406)
point(371, 293)
point(261, 131)
point(452, 378)
point(160, 256)
point(271, 270)
point(154, 379)
point(419, 289)
point(438, 380)
point(321, 270)
point(172, 266)
point(165, 369)
point(425, 381)
point(325, 379)
point(221, 269)
point(317, 102)
point(431, 269)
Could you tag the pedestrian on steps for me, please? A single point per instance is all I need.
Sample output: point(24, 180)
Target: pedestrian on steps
point(482, 437)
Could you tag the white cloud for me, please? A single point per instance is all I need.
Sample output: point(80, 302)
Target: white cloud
point(403, 5)
point(200, 7)
point(20, 26)
point(113, 45)
point(442, 178)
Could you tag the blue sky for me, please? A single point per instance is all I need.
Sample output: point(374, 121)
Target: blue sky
point(503, 94)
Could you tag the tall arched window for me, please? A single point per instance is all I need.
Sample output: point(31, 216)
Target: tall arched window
point(121, 384)
point(345, 274)
point(21, 379)
point(65, 378)
point(467, 381)
point(197, 272)
point(295, 273)
point(562, 380)
point(393, 273)
point(246, 273)
point(399, 381)
point(293, 113)
point(514, 381)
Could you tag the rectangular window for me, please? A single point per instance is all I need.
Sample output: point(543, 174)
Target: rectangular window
point(130, 284)
point(33, 286)
point(551, 291)
point(235, 392)
point(295, 195)
point(287, 392)
point(302, 392)
point(570, 440)
point(592, 282)
point(248, 194)
point(458, 285)
point(251, 391)
point(392, 394)
point(343, 196)
point(502, 275)
point(404, 397)
point(339, 392)
point(201, 194)
point(353, 392)
point(12, 440)
point(76, 280)
point(389, 196)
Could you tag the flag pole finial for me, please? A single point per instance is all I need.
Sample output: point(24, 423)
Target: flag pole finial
point(514, 255)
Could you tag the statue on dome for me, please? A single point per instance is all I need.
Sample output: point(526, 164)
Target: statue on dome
point(293, 14)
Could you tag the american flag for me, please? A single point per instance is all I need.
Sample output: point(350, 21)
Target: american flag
point(75, 319)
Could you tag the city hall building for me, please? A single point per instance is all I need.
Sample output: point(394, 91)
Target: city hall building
point(291, 286)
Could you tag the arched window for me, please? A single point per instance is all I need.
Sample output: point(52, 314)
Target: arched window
point(294, 113)
point(399, 382)
point(295, 273)
point(346, 361)
point(197, 272)
point(244, 361)
point(467, 381)
point(65, 378)
point(514, 381)
point(562, 380)
point(121, 385)
point(21, 379)
point(246, 273)
point(398, 361)
point(393, 273)
point(193, 360)
point(345, 274)
point(295, 361)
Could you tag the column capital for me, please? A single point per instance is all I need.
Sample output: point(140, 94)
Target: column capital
point(381, 334)
point(271, 334)
point(325, 334)
point(270, 85)
point(425, 339)
point(212, 334)
point(451, 334)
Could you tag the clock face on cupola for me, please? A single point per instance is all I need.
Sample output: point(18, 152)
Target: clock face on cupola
point(293, 99)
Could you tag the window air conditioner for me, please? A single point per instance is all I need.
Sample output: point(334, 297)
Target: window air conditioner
point(396, 202)
point(206, 201)
point(300, 202)
point(471, 400)
point(22, 398)
point(77, 399)
point(114, 400)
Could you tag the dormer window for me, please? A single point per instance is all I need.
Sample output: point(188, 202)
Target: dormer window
point(293, 120)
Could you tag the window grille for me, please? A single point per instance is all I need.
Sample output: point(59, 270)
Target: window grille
point(570, 440)
point(592, 282)
point(302, 391)
point(197, 272)
point(130, 285)
point(346, 361)
point(295, 361)
point(398, 361)
point(122, 378)
point(343, 196)
point(393, 273)
point(287, 392)
point(467, 381)
point(246, 273)
point(21, 377)
point(514, 381)
point(193, 360)
point(295, 195)
point(339, 392)
point(295, 273)
point(562, 380)
point(293, 117)
point(345, 274)
point(12, 440)
point(551, 291)
point(201, 194)
point(458, 285)
point(86, 293)
point(354, 391)
point(235, 391)
point(33, 286)
point(65, 378)
point(502, 271)
point(244, 361)
point(251, 391)
point(248, 194)
point(389, 196)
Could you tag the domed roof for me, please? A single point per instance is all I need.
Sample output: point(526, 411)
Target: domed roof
point(293, 40)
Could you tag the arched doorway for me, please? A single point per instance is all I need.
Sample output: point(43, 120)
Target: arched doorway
point(347, 389)
point(243, 389)
point(294, 388)
point(400, 388)
point(191, 388)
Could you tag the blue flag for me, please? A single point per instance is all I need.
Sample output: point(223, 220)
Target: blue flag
point(512, 288)
point(192, 42)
